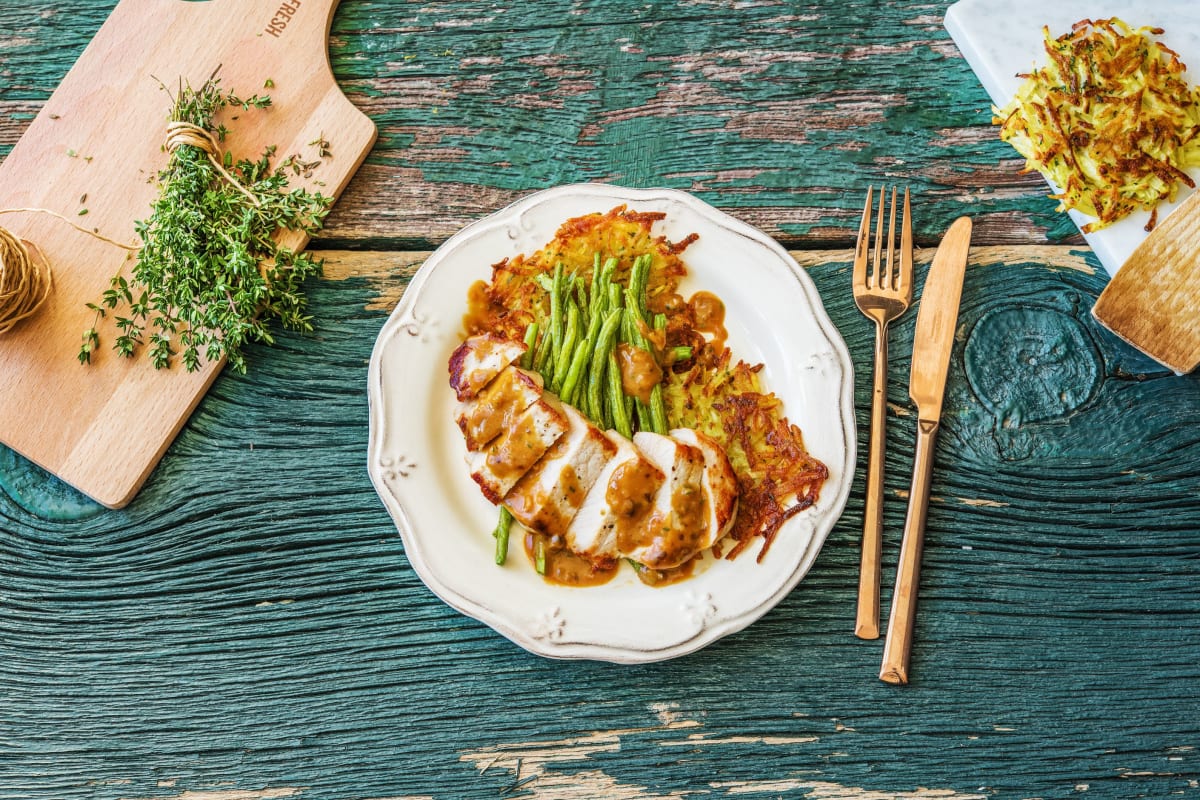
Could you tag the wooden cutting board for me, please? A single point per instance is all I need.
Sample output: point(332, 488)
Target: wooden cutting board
point(103, 427)
point(1154, 301)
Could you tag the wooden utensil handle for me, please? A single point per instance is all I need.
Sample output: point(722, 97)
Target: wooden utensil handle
point(867, 621)
point(904, 598)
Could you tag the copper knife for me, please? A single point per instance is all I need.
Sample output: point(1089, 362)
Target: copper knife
point(932, 345)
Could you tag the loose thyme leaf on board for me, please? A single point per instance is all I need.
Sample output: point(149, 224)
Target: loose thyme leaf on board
point(209, 277)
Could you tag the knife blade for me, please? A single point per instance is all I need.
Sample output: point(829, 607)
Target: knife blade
point(932, 345)
point(936, 321)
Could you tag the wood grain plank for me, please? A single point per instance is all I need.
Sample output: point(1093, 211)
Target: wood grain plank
point(203, 644)
point(780, 116)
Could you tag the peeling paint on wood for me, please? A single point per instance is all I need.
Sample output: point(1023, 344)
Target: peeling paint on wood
point(233, 794)
point(250, 625)
point(821, 790)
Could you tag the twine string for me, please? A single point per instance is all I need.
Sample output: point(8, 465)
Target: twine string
point(180, 133)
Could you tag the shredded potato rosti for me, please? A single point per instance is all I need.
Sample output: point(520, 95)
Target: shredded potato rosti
point(776, 475)
point(1110, 120)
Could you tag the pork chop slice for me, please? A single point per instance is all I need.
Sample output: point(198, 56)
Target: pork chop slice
point(478, 360)
point(720, 483)
point(621, 497)
point(547, 498)
point(499, 466)
point(496, 408)
point(676, 527)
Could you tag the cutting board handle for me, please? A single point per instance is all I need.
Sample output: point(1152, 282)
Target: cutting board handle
point(303, 25)
point(299, 21)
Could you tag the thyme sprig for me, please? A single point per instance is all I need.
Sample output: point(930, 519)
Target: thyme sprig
point(210, 277)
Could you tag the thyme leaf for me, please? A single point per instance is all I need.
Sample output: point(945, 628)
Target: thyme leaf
point(210, 276)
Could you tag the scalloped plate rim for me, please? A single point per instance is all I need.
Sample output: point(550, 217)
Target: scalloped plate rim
point(481, 610)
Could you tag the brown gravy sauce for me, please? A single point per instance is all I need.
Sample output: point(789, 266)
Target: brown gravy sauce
point(516, 453)
point(565, 567)
point(497, 407)
point(665, 577)
point(709, 313)
point(640, 373)
point(687, 506)
point(478, 305)
point(630, 494)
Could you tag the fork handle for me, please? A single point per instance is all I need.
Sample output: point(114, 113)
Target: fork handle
point(867, 623)
point(904, 598)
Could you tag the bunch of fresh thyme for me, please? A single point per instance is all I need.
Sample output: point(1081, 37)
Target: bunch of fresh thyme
point(209, 275)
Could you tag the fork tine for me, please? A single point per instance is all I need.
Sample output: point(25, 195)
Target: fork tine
point(860, 249)
point(877, 266)
point(906, 252)
point(889, 278)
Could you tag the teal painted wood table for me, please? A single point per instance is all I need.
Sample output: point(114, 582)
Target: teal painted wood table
point(250, 627)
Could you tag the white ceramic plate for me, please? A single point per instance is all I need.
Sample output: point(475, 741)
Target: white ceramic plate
point(1000, 38)
point(416, 452)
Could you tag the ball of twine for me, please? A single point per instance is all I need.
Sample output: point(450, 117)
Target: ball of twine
point(25, 282)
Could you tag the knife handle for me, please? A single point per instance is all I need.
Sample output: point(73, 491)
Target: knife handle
point(904, 598)
point(866, 625)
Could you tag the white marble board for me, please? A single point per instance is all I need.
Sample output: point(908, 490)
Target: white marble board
point(1000, 38)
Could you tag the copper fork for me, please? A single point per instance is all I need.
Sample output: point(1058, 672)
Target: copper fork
point(882, 294)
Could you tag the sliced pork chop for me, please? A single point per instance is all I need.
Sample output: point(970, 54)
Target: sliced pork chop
point(720, 483)
point(499, 466)
point(676, 528)
point(496, 408)
point(620, 499)
point(478, 360)
point(547, 498)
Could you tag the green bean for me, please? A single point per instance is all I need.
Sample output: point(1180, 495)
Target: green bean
point(545, 351)
point(563, 358)
point(595, 279)
point(681, 353)
point(582, 300)
point(609, 269)
point(617, 398)
point(658, 407)
point(639, 277)
point(539, 554)
point(579, 362)
point(501, 534)
point(574, 380)
point(556, 298)
point(531, 333)
point(635, 324)
point(603, 347)
point(658, 410)
point(573, 383)
point(644, 423)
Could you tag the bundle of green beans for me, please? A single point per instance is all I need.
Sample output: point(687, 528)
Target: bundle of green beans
point(575, 352)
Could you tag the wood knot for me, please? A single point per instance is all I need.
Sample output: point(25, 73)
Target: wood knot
point(1030, 365)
